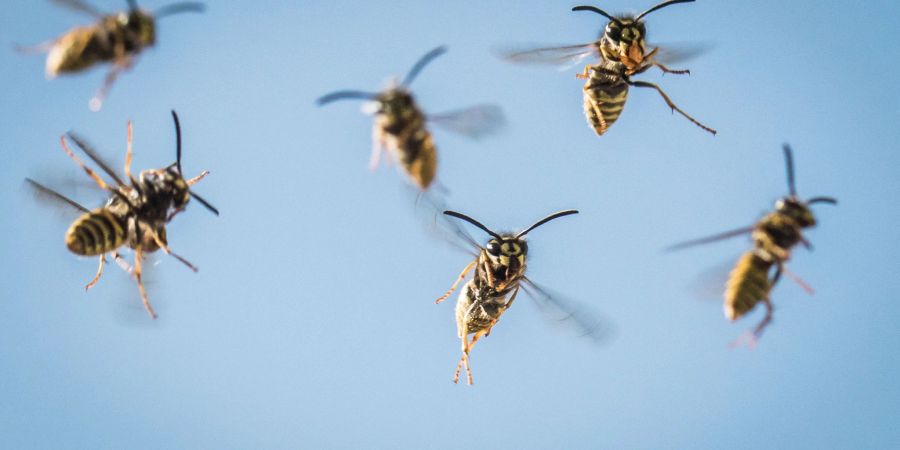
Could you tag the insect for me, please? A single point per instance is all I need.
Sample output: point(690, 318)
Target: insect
point(622, 52)
point(135, 214)
point(401, 126)
point(499, 274)
point(115, 38)
point(773, 236)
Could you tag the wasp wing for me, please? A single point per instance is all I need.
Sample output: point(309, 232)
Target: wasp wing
point(589, 323)
point(564, 56)
point(429, 208)
point(678, 52)
point(91, 153)
point(710, 239)
point(50, 196)
point(79, 6)
point(474, 122)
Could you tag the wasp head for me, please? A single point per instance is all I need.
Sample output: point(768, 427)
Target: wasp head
point(165, 189)
point(507, 251)
point(797, 210)
point(141, 24)
point(395, 102)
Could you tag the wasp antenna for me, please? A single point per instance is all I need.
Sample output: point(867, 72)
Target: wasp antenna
point(421, 63)
point(829, 200)
point(177, 141)
point(205, 203)
point(598, 11)
point(547, 219)
point(345, 95)
point(178, 8)
point(473, 222)
point(132, 5)
point(660, 6)
point(789, 165)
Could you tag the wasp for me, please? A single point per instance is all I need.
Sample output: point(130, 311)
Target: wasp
point(114, 38)
point(136, 213)
point(499, 273)
point(774, 236)
point(622, 52)
point(401, 126)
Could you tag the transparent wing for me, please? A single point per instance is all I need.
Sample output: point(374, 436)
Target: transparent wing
point(79, 6)
point(710, 239)
point(564, 56)
point(474, 122)
point(47, 195)
point(588, 323)
point(678, 52)
point(429, 208)
point(94, 156)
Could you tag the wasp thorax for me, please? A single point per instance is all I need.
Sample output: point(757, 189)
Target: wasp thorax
point(395, 102)
point(507, 250)
point(797, 210)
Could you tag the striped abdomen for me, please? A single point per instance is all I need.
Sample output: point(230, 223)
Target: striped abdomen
point(747, 284)
point(604, 96)
point(415, 150)
point(96, 232)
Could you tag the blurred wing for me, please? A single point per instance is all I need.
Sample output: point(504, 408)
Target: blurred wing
point(91, 153)
point(79, 6)
point(710, 239)
point(678, 52)
point(47, 195)
point(429, 208)
point(474, 122)
point(710, 284)
point(588, 323)
point(564, 56)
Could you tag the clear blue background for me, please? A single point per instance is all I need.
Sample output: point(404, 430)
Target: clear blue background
point(311, 323)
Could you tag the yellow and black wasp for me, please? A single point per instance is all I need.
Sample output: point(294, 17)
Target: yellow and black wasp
point(773, 238)
point(622, 52)
point(114, 38)
point(135, 214)
point(499, 274)
point(401, 126)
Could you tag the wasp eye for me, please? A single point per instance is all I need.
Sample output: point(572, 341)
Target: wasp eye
point(493, 247)
point(523, 247)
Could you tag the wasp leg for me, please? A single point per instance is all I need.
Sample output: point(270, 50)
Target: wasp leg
point(122, 263)
point(129, 151)
point(378, 145)
point(503, 310)
point(464, 360)
point(168, 251)
point(672, 71)
point(96, 277)
point(585, 74)
point(87, 169)
point(194, 180)
point(138, 254)
point(669, 102)
point(42, 47)
point(800, 281)
point(462, 276)
point(97, 101)
point(603, 125)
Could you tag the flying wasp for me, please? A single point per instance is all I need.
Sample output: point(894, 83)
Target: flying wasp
point(135, 214)
point(773, 236)
point(401, 126)
point(499, 274)
point(115, 38)
point(622, 52)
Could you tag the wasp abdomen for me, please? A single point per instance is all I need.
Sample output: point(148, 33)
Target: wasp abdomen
point(95, 233)
point(604, 96)
point(747, 285)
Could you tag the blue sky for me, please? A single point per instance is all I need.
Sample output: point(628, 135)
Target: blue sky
point(311, 323)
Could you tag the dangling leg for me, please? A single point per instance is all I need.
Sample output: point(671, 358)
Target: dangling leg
point(97, 101)
point(585, 74)
point(194, 180)
point(669, 102)
point(503, 310)
point(462, 360)
point(796, 279)
point(87, 169)
point(168, 251)
point(129, 152)
point(465, 356)
point(122, 263)
point(462, 276)
point(138, 254)
point(99, 272)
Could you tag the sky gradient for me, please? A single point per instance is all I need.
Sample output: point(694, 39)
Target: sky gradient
point(311, 322)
